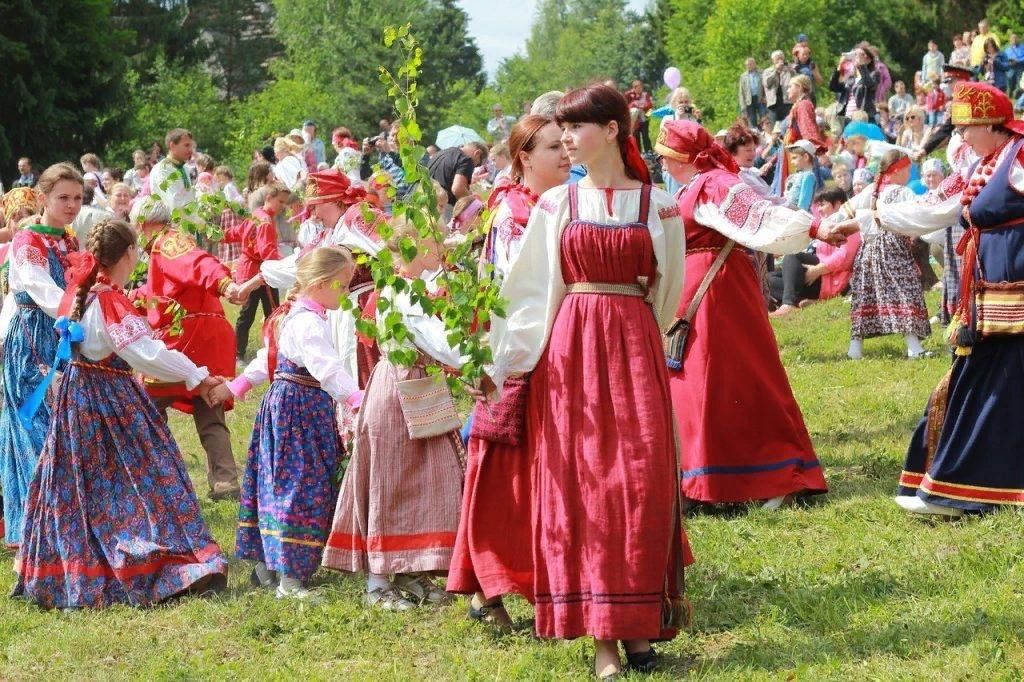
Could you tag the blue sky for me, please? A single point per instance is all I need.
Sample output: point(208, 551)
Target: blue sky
point(501, 27)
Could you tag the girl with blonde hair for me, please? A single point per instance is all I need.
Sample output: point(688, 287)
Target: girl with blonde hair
point(288, 485)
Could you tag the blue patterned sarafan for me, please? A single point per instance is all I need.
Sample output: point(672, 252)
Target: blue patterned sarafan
point(289, 489)
point(111, 516)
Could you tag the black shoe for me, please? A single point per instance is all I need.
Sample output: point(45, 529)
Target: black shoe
point(642, 661)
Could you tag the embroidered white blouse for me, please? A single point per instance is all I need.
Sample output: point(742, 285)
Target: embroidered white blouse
point(756, 222)
point(132, 340)
point(507, 240)
point(428, 333)
point(937, 209)
point(304, 338)
point(534, 287)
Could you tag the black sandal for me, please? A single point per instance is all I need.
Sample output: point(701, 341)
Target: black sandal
point(642, 661)
point(483, 612)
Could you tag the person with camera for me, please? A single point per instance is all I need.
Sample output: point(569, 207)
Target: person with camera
point(385, 146)
point(776, 83)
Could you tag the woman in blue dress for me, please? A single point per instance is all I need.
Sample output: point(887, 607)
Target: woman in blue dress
point(37, 260)
point(965, 453)
point(111, 516)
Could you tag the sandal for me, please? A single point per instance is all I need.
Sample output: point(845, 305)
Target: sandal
point(389, 599)
point(422, 588)
point(491, 613)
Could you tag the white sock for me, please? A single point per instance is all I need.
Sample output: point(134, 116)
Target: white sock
point(856, 349)
point(262, 572)
point(914, 346)
point(290, 584)
point(376, 581)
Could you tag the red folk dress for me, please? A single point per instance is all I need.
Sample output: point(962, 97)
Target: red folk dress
point(742, 434)
point(182, 273)
point(493, 547)
point(606, 530)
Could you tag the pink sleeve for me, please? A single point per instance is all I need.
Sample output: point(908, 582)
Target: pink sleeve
point(842, 256)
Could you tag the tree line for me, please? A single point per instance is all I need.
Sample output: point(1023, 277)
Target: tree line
point(110, 76)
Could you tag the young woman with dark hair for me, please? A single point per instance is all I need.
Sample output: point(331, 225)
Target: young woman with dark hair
point(492, 548)
point(597, 278)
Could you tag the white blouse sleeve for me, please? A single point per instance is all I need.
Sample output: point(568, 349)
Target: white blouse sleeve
point(152, 358)
point(428, 332)
point(756, 222)
point(533, 291)
point(919, 216)
point(32, 275)
point(257, 371)
point(280, 274)
point(310, 335)
point(668, 238)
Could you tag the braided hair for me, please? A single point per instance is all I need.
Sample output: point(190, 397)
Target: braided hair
point(888, 160)
point(108, 241)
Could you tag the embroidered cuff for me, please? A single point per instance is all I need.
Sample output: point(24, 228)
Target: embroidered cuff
point(815, 224)
point(223, 285)
point(239, 386)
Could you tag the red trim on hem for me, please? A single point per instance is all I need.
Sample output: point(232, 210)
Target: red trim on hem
point(31, 571)
point(391, 543)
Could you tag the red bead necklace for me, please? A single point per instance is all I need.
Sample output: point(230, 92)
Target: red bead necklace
point(982, 175)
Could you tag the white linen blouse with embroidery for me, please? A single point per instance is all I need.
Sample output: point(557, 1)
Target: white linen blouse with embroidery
point(534, 287)
point(937, 209)
point(756, 222)
point(304, 337)
point(132, 340)
point(428, 333)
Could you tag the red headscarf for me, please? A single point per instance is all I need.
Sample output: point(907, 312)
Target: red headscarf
point(689, 142)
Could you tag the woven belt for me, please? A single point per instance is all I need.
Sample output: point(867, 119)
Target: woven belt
point(608, 288)
point(705, 249)
point(100, 368)
point(300, 379)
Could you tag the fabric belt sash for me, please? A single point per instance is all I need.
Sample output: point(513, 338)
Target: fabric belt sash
point(608, 289)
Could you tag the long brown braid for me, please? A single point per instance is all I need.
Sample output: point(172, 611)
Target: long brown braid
point(108, 241)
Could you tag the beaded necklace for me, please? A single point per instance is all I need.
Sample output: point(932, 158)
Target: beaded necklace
point(981, 175)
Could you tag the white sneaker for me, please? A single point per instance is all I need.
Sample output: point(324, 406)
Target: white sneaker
point(916, 505)
point(299, 593)
point(777, 502)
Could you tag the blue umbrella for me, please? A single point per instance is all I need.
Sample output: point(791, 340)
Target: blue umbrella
point(456, 136)
point(662, 112)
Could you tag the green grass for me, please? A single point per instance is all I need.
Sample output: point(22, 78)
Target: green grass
point(849, 588)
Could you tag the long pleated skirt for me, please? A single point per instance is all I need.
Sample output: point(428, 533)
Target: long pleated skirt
point(398, 510)
point(111, 515)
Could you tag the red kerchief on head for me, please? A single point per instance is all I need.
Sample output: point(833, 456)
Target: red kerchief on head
point(982, 104)
point(689, 142)
point(332, 187)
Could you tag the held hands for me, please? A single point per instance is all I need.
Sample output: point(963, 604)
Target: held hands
point(233, 294)
point(837, 233)
point(206, 388)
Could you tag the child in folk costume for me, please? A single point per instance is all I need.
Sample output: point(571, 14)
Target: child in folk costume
point(887, 293)
point(398, 510)
point(111, 516)
point(182, 275)
point(339, 206)
point(37, 260)
point(492, 548)
point(258, 238)
point(289, 481)
point(597, 277)
point(743, 436)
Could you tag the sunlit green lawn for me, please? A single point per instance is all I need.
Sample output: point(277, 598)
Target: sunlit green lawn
point(850, 588)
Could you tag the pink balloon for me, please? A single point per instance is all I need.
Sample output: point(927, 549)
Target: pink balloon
point(672, 77)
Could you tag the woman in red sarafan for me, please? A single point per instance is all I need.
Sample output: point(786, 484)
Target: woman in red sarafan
point(492, 548)
point(743, 436)
point(596, 278)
